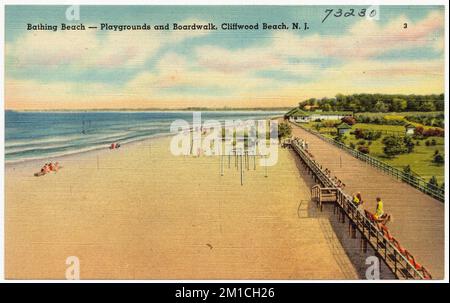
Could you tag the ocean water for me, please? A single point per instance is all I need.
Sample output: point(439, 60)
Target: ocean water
point(43, 135)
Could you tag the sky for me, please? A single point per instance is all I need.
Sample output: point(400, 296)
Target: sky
point(95, 69)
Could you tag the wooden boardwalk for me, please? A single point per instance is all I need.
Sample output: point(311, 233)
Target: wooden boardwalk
point(418, 220)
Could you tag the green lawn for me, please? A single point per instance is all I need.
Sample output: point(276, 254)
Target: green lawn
point(420, 160)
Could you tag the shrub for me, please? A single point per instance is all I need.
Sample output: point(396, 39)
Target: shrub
point(330, 123)
point(361, 142)
point(432, 183)
point(363, 149)
point(427, 143)
point(358, 133)
point(349, 120)
point(418, 131)
point(433, 132)
point(367, 134)
point(409, 144)
point(393, 146)
point(284, 130)
point(407, 169)
point(438, 158)
point(352, 145)
point(339, 138)
point(433, 142)
point(408, 174)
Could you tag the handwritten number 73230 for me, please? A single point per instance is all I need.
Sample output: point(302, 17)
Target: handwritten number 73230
point(351, 12)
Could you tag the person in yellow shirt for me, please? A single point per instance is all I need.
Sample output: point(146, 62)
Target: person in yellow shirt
point(379, 212)
point(379, 215)
point(357, 198)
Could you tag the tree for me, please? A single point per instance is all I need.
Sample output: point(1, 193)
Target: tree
point(409, 144)
point(399, 105)
point(408, 174)
point(379, 102)
point(284, 130)
point(427, 106)
point(380, 107)
point(393, 146)
point(407, 170)
point(326, 107)
point(433, 183)
point(438, 159)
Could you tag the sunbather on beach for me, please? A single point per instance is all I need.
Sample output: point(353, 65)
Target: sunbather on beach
point(48, 167)
point(114, 146)
point(43, 170)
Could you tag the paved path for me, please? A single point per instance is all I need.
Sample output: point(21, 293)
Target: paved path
point(418, 219)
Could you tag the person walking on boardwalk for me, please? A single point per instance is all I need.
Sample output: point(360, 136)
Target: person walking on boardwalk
point(357, 198)
point(379, 215)
point(379, 212)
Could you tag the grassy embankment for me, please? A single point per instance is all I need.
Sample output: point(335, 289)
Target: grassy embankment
point(420, 160)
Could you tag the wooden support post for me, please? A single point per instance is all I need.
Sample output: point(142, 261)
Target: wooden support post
point(242, 173)
point(247, 161)
point(319, 200)
point(254, 162)
point(221, 165)
point(364, 245)
point(265, 166)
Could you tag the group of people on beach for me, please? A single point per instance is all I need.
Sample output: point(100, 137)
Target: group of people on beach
point(114, 145)
point(47, 168)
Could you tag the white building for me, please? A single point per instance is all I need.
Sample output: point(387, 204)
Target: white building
point(297, 115)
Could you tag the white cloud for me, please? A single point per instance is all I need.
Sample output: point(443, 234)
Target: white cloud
point(90, 48)
point(233, 71)
point(364, 40)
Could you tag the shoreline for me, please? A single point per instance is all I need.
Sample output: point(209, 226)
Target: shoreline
point(81, 152)
point(74, 153)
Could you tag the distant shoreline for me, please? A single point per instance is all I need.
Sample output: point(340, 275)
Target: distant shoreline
point(92, 146)
point(152, 109)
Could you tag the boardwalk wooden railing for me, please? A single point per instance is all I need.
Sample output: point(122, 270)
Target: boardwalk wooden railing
point(417, 182)
point(397, 262)
point(322, 195)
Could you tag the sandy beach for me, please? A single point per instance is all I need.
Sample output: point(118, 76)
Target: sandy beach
point(141, 213)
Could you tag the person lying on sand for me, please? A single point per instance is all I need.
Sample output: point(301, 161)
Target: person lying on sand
point(54, 166)
point(48, 167)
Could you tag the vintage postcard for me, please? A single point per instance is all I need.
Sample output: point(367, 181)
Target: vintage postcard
point(230, 142)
